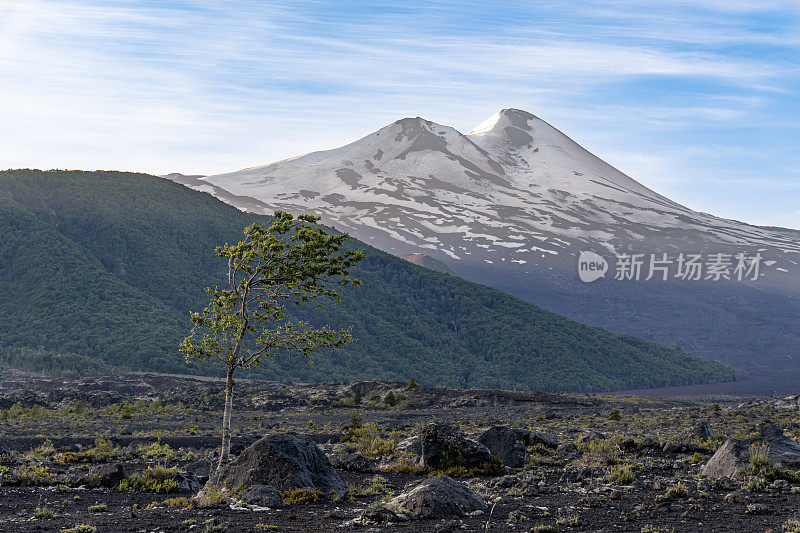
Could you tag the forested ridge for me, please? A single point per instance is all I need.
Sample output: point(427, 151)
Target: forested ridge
point(108, 265)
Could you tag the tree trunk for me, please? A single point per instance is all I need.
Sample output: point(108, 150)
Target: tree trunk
point(225, 450)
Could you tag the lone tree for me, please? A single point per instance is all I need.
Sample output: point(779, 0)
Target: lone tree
point(293, 261)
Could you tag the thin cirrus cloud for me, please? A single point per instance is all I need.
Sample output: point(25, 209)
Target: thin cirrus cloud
point(203, 87)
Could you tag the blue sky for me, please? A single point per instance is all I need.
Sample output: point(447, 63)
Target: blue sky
point(697, 100)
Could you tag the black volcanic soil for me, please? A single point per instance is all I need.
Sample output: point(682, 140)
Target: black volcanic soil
point(558, 490)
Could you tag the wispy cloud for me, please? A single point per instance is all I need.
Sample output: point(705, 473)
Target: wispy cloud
point(209, 86)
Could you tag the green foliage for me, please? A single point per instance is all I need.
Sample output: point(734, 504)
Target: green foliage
point(759, 457)
point(80, 528)
point(181, 501)
point(107, 265)
point(615, 415)
point(620, 475)
point(390, 399)
point(656, 529)
point(157, 450)
point(17, 412)
point(52, 363)
point(43, 513)
point(99, 508)
point(299, 496)
point(290, 262)
point(791, 526)
point(403, 463)
point(373, 486)
point(154, 479)
point(370, 439)
point(211, 497)
point(678, 490)
point(600, 451)
point(35, 475)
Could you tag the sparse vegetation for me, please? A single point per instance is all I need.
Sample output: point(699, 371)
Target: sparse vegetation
point(791, 526)
point(592, 451)
point(370, 439)
point(80, 528)
point(43, 513)
point(620, 475)
point(154, 479)
point(300, 496)
point(678, 490)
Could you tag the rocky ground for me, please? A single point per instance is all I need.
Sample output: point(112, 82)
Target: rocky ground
point(130, 453)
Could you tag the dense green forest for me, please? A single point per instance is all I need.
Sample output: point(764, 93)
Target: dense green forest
point(107, 265)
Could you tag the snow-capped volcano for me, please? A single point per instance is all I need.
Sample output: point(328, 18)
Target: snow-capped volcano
point(514, 202)
point(513, 194)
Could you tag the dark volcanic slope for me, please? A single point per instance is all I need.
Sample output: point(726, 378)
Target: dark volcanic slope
point(109, 265)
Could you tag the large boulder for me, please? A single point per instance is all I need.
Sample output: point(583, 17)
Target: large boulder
point(438, 497)
point(545, 439)
point(410, 446)
point(443, 446)
point(263, 496)
point(188, 482)
point(734, 455)
point(284, 461)
point(105, 475)
point(702, 431)
point(349, 460)
point(507, 443)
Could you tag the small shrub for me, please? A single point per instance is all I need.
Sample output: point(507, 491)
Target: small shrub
point(614, 414)
point(99, 508)
point(790, 526)
point(299, 496)
point(759, 457)
point(126, 411)
point(404, 463)
point(35, 475)
point(656, 529)
point(154, 479)
point(46, 449)
point(678, 490)
point(390, 399)
point(620, 475)
point(80, 528)
point(212, 527)
point(758, 484)
point(43, 513)
point(368, 439)
point(412, 383)
point(157, 451)
point(568, 520)
point(177, 502)
point(352, 430)
point(102, 450)
point(211, 497)
point(696, 458)
point(600, 452)
point(375, 486)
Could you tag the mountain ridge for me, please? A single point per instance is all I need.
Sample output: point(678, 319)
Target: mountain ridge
point(512, 204)
point(109, 264)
